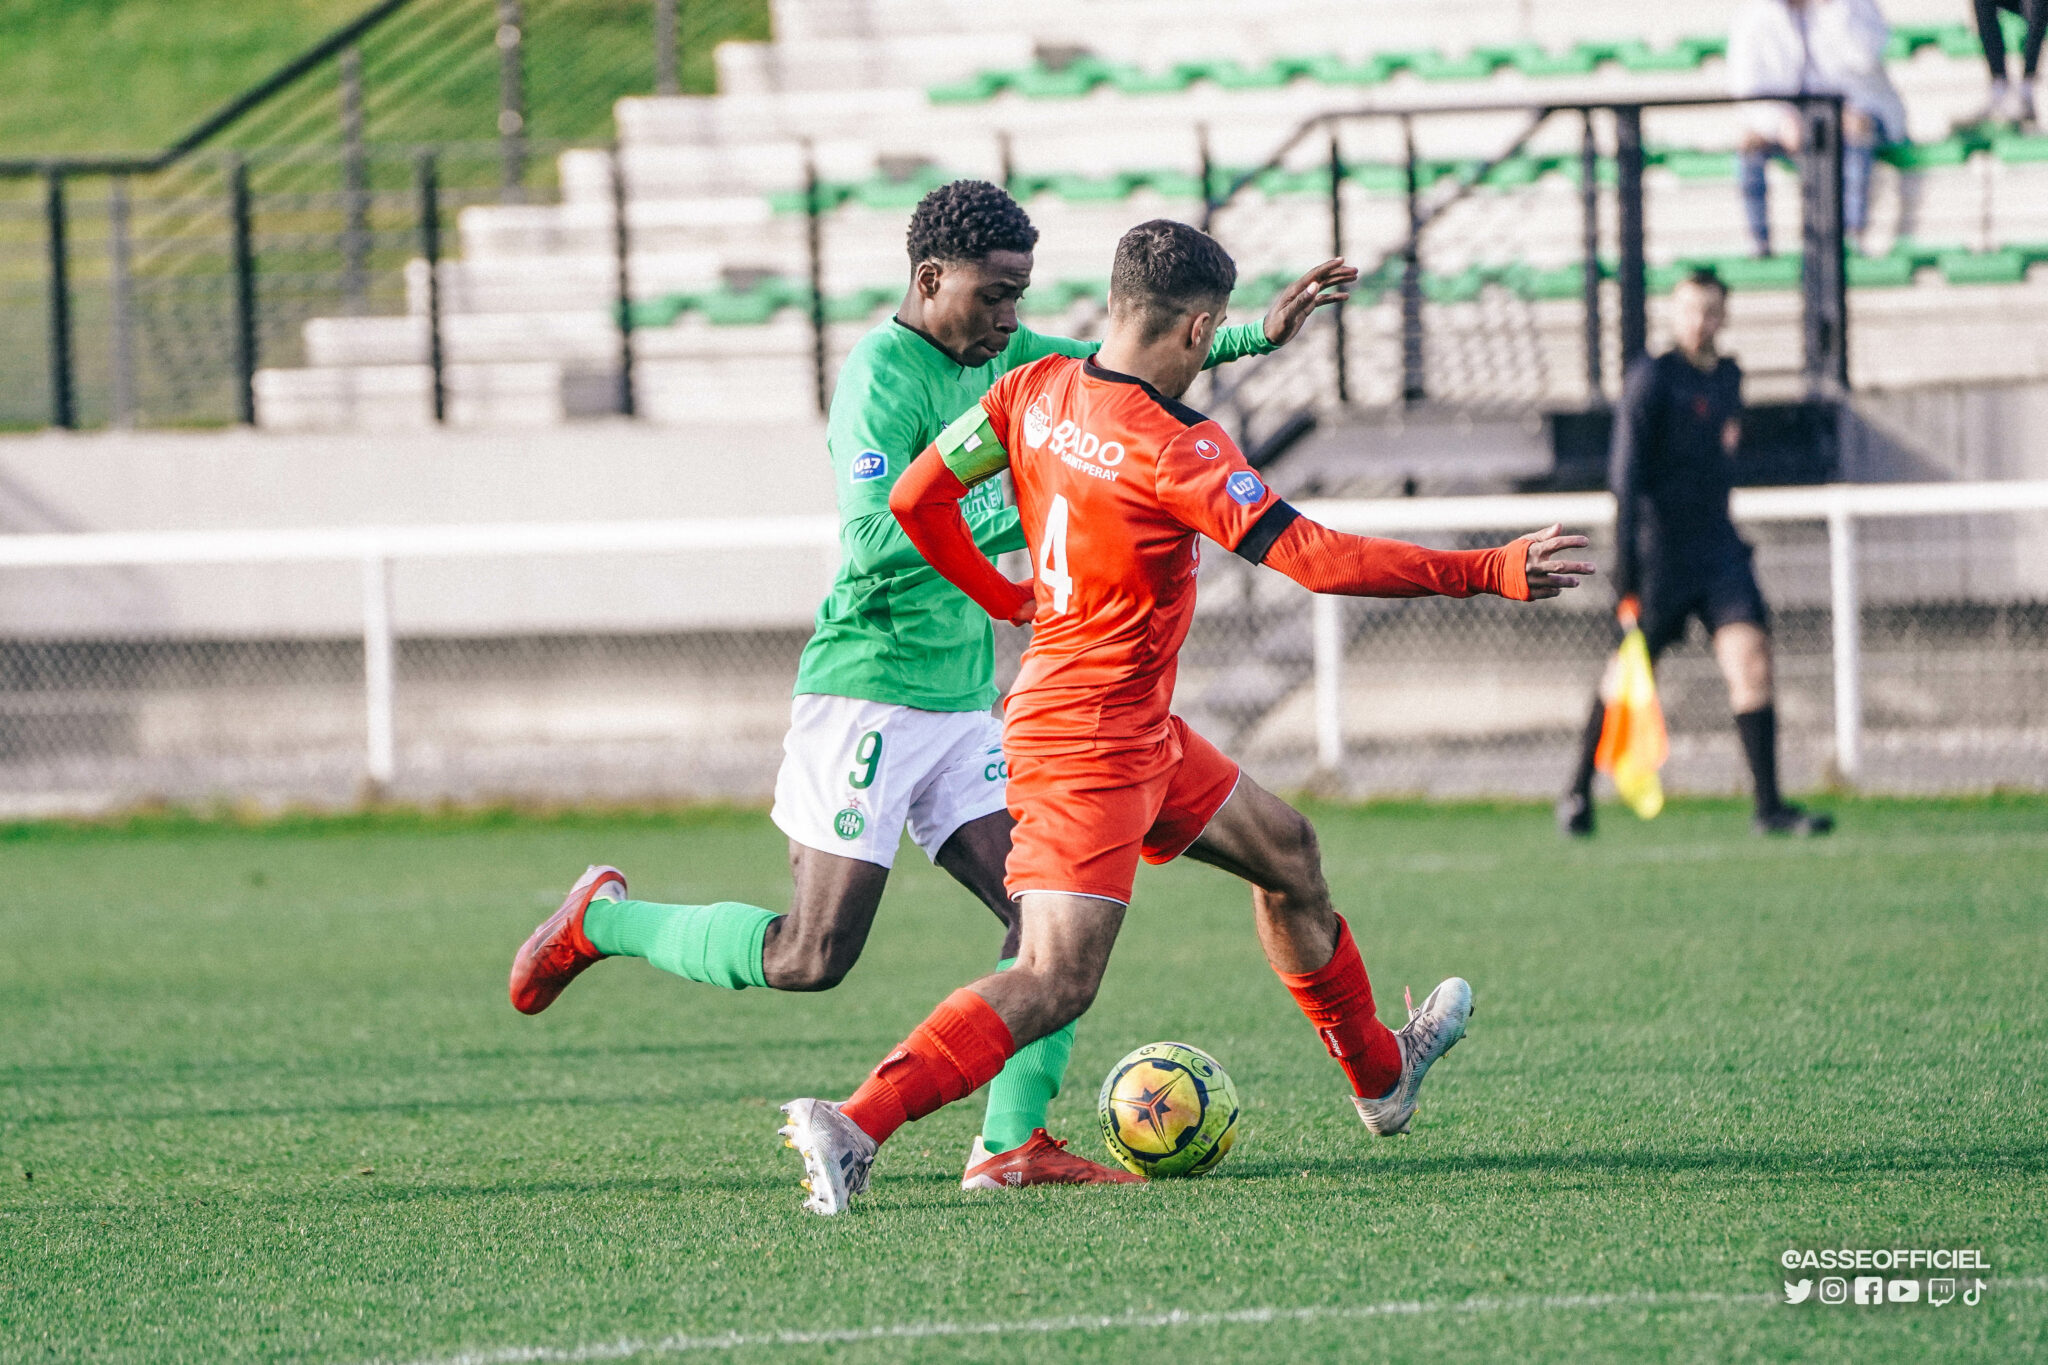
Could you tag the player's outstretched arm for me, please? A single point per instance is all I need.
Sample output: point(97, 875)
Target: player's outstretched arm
point(926, 500)
point(1292, 307)
point(1526, 569)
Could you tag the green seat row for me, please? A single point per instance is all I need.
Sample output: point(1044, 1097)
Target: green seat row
point(1085, 74)
point(1378, 177)
point(1897, 268)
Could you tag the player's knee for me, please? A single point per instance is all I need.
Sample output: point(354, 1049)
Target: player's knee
point(1298, 861)
point(813, 965)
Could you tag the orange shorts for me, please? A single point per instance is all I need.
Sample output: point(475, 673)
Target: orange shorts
point(1084, 820)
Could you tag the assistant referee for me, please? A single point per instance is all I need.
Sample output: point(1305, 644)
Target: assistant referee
point(1677, 553)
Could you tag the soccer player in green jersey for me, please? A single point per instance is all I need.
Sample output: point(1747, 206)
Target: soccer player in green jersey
point(891, 723)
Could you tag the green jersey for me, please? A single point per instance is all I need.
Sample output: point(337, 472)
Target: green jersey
point(892, 629)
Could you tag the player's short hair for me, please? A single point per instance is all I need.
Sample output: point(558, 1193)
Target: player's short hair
point(1166, 270)
point(966, 221)
point(1706, 277)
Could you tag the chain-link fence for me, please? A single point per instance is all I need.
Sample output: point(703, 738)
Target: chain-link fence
point(1481, 697)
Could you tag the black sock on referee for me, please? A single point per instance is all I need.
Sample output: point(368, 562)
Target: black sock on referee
point(1759, 731)
point(1582, 776)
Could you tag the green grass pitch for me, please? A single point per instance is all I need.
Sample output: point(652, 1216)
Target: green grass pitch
point(261, 1097)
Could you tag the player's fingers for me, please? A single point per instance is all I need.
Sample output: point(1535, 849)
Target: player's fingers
point(1324, 300)
point(1571, 566)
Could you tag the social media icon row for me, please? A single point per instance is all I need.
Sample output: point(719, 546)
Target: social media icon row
point(1875, 1289)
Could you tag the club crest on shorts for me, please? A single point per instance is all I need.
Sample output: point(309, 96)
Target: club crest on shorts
point(1244, 488)
point(1037, 422)
point(869, 464)
point(849, 823)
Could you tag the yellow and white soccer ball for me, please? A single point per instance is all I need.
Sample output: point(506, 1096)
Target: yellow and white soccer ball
point(1168, 1109)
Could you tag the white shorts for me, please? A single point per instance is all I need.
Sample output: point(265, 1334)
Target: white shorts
point(855, 772)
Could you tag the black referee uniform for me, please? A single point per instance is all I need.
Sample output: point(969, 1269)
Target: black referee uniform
point(1677, 551)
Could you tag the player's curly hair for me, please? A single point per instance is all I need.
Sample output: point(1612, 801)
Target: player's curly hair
point(965, 221)
point(1166, 270)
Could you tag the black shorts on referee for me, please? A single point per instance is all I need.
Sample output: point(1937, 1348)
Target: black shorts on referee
point(1719, 592)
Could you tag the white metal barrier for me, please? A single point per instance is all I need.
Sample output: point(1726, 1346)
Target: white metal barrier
point(1839, 506)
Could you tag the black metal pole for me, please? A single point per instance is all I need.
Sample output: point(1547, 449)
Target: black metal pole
point(1208, 176)
point(1589, 197)
point(121, 298)
point(1413, 387)
point(814, 240)
point(63, 409)
point(1007, 158)
point(245, 290)
point(622, 248)
point(1337, 249)
point(1824, 269)
point(665, 76)
point(428, 184)
point(1628, 190)
point(355, 185)
point(511, 103)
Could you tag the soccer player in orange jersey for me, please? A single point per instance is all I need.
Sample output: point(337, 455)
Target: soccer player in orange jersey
point(1115, 482)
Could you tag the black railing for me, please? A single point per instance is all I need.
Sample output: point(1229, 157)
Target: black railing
point(1825, 369)
point(525, 78)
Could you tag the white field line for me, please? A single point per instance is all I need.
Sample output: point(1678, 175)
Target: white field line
point(626, 1347)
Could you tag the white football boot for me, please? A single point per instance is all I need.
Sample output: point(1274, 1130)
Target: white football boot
point(1429, 1033)
point(837, 1154)
point(977, 1154)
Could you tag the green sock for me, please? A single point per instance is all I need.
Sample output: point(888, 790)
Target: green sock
point(1019, 1097)
point(719, 945)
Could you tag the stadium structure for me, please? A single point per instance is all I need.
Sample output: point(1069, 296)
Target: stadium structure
point(567, 391)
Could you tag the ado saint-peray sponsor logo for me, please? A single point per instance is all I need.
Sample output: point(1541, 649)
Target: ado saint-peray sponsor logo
point(1082, 450)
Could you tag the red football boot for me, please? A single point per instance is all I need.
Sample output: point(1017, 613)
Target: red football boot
point(559, 949)
point(1044, 1160)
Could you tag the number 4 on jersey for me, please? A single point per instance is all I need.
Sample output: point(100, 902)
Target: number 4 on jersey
point(1052, 551)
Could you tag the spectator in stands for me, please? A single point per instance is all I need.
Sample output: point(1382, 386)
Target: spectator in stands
point(1677, 554)
point(2010, 103)
point(1812, 47)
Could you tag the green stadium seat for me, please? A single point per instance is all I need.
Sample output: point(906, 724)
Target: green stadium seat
point(2008, 265)
point(1476, 65)
point(1131, 81)
point(1537, 63)
point(983, 85)
point(1917, 156)
point(1338, 71)
point(1890, 271)
point(1636, 55)
point(1689, 165)
point(2019, 149)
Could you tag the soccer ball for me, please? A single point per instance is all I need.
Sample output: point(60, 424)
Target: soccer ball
point(1168, 1109)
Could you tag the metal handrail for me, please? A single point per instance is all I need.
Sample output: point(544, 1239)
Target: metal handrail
point(220, 119)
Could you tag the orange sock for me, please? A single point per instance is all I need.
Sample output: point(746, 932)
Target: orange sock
point(948, 1057)
point(1337, 998)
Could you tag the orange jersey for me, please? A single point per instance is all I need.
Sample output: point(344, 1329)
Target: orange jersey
point(1115, 483)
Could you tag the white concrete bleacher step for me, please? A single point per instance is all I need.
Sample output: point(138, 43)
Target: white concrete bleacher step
point(400, 397)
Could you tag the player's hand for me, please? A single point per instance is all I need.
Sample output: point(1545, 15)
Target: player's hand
point(1027, 608)
point(1549, 575)
point(1294, 304)
point(1628, 611)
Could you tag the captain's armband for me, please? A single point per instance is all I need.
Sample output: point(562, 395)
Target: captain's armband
point(970, 448)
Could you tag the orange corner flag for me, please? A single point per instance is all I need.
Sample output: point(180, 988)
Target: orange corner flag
point(1632, 740)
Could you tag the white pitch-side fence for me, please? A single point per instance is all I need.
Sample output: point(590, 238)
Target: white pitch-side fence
point(1840, 506)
